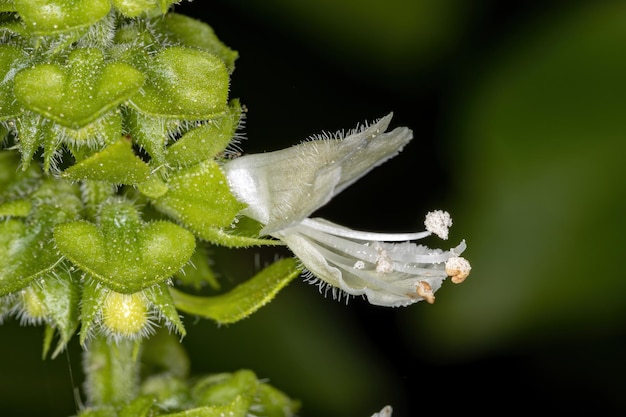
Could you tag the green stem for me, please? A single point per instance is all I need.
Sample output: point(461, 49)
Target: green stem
point(111, 370)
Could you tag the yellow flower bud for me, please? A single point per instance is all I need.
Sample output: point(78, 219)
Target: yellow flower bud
point(126, 315)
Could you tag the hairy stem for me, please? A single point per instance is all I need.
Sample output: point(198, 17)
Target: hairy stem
point(111, 371)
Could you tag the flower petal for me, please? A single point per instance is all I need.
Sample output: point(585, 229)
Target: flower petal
point(283, 187)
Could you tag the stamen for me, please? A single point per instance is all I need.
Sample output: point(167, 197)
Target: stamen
point(384, 264)
point(458, 268)
point(334, 229)
point(411, 254)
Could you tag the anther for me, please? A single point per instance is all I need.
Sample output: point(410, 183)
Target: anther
point(425, 291)
point(458, 268)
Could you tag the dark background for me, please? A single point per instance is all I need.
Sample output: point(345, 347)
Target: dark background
point(517, 113)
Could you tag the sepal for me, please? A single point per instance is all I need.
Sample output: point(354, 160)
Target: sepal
point(123, 252)
point(197, 34)
point(183, 83)
point(24, 252)
point(80, 92)
point(117, 164)
point(11, 58)
point(199, 198)
point(206, 141)
point(68, 15)
point(136, 8)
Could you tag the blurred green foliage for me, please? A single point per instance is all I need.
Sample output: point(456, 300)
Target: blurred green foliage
point(541, 197)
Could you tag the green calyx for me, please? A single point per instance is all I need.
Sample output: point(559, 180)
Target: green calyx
point(79, 92)
point(123, 252)
point(115, 120)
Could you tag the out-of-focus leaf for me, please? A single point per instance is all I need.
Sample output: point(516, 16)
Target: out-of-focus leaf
point(274, 403)
point(393, 39)
point(221, 389)
point(543, 198)
point(139, 407)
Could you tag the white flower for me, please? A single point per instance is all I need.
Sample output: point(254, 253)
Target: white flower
point(283, 188)
point(385, 412)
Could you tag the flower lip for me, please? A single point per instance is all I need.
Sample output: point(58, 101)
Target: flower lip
point(281, 188)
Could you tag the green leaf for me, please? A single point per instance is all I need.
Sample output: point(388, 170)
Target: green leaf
point(94, 193)
point(60, 295)
point(10, 60)
point(92, 299)
point(139, 407)
point(104, 130)
point(123, 252)
point(7, 6)
point(195, 33)
point(58, 199)
point(117, 163)
point(198, 272)
point(35, 132)
point(151, 133)
point(206, 141)
point(104, 411)
point(224, 388)
point(79, 93)
point(171, 392)
point(164, 354)
point(200, 199)
point(15, 208)
point(244, 299)
point(274, 403)
point(153, 187)
point(46, 17)
point(16, 183)
point(184, 83)
point(237, 408)
point(25, 252)
point(135, 8)
point(160, 296)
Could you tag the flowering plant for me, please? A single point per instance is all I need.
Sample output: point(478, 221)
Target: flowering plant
point(119, 170)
